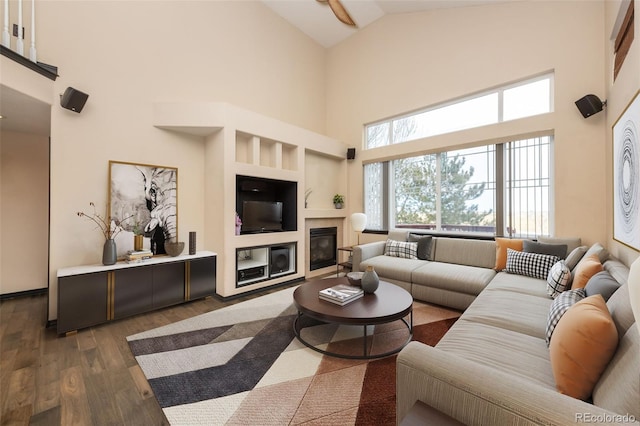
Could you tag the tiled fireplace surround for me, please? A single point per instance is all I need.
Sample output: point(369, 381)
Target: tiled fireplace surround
point(321, 223)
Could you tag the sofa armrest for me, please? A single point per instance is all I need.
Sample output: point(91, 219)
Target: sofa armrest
point(366, 251)
point(475, 394)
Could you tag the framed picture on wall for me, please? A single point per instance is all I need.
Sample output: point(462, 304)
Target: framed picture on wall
point(147, 194)
point(626, 176)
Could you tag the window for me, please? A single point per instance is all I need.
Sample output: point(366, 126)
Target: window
point(527, 192)
point(523, 99)
point(459, 191)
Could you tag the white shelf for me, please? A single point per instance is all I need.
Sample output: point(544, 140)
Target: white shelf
point(250, 263)
point(89, 269)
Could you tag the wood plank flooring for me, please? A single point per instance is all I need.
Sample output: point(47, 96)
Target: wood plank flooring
point(86, 378)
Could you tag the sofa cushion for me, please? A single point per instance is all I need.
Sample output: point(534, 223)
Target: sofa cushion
point(575, 255)
point(449, 276)
point(618, 270)
point(559, 250)
point(582, 345)
point(571, 243)
point(588, 267)
point(618, 389)
point(560, 306)
point(502, 244)
point(480, 253)
point(619, 305)
point(424, 245)
point(398, 235)
point(402, 249)
point(558, 279)
point(599, 250)
point(520, 312)
point(520, 284)
point(529, 264)
point(603, 284)
point(394, 268)
point(518, 354)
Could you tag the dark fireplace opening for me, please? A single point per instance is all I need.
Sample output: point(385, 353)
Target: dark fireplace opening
point(322, 247)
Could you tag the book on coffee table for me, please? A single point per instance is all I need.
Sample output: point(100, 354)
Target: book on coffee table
point(341, 294)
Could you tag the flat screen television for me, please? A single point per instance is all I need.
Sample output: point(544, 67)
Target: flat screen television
point(261, 216)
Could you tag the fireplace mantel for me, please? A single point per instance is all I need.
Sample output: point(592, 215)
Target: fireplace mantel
point(325, 213)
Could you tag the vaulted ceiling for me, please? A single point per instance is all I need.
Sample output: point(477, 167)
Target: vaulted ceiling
point(316, 19)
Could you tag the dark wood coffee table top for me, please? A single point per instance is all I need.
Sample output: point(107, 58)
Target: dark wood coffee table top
point(388, 303)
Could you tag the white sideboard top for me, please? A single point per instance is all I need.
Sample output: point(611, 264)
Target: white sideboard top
point(89, 269)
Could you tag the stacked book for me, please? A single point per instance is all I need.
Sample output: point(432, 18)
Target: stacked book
point(137, 256)
point(341, 294)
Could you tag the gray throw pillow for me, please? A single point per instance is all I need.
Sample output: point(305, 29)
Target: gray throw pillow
point(602, 283)
point(574, 257)
point(559, 250)
point(424, 245)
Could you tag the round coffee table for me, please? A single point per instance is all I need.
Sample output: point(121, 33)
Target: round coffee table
point(389, 303)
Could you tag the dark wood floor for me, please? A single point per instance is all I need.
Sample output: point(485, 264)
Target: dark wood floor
point(86, 378)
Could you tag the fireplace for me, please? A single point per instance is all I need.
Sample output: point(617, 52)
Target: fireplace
point(322, 247)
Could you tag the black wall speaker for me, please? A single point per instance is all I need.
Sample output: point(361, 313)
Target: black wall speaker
point(73, 99)
point(589, 105)
point(279, 260)
point(351, 153)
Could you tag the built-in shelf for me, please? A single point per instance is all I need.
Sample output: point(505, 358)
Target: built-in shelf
point(239, 142)
point(260, 151)
point(256, 264)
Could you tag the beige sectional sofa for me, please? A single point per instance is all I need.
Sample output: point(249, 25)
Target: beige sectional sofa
point(493, 367)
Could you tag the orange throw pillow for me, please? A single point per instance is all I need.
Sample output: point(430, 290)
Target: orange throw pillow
point(588, 267)
point(582, 344)
point(502, 244)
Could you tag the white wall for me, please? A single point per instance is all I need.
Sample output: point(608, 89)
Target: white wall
point(404, 62)
point(24, 211)
point(129, 55)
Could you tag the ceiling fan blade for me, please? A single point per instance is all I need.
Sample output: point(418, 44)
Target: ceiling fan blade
point(340, 12)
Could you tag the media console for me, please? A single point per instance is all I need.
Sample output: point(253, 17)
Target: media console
point(95, 294)
point(260, 263)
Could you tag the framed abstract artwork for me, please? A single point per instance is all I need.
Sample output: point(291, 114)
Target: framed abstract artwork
point(626, 176)
point(148, 196)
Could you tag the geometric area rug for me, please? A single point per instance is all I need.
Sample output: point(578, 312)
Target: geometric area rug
point(242, 365)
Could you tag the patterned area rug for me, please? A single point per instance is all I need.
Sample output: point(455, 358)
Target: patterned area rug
point(242, 365)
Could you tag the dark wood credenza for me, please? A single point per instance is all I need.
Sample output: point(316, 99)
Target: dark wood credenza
point(92, 295)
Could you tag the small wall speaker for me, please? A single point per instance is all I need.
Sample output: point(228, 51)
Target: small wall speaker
point(351, 153)
point(73, 99)
point(279, 260)
point(589, 105)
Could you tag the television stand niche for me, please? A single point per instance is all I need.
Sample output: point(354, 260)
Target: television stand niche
point(261, 263)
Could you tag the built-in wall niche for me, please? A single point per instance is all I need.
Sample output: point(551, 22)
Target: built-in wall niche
point(266, 205)
point(260, 151)
point(255, 264)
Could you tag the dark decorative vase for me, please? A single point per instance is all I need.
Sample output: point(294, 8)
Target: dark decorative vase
point(192, 242)
point(109, 256)
point(370, 280)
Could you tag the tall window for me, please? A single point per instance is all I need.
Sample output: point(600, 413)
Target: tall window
point(522, 99)
point(528, 187)
point(459, 191)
